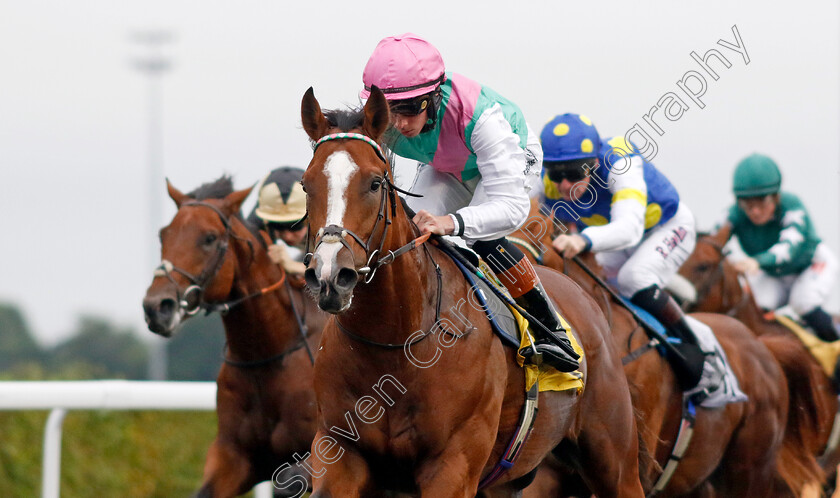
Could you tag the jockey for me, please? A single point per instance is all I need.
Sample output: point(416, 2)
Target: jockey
point(784, 255)
point(478, 160)
point(623, 208)
point(281, 204)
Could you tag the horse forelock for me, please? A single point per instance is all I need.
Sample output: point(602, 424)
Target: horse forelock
point(345, 119)
point(217, 189)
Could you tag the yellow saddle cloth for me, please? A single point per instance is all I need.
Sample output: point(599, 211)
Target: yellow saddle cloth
point(826, 353)
point(549, 378)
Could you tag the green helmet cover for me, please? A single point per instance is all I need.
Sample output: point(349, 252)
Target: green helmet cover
point(756, 175)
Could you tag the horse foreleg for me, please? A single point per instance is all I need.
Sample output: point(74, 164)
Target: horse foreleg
point(227, 472)
point(347, 477)
point(547, 482)
point(608, 441)
point(452, 474)
point(704, 490)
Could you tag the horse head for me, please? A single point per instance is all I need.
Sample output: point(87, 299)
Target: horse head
point(702, 280)
point(351, 200)
point(196, 265)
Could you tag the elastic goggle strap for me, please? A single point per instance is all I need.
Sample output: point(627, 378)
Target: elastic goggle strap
point(354, 136)
point(437, 82)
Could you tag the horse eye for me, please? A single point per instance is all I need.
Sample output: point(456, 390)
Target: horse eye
point(374, 186)
point(209, 239)
point(703, 267)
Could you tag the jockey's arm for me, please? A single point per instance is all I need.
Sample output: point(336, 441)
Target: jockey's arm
point(627, 211)
point(501, 163)
point(791, 244)
point(733, 253)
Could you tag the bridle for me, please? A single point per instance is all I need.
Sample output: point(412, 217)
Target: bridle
point(337, 233)
point(719, 276)
point(191, 300)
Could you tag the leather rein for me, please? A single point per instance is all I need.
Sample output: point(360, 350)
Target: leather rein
point(191, 300)
point(375, 259)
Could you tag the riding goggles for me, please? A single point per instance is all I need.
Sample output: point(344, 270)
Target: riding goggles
point(559, 171)
point(410, 107)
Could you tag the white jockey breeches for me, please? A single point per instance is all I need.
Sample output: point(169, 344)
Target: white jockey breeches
point(804, 291)
point(656, 259)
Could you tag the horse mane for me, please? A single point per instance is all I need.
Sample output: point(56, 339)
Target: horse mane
point(218, 189)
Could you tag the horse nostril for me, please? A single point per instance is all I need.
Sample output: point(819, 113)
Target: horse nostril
point(166, 308)
point(311, 279)
point(149, 308)
point(346, 278)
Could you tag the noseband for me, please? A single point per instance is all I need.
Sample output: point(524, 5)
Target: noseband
point(337, 233)
point(199, 283)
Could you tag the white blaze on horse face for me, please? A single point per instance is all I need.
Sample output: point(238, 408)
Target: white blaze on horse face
point(339, 169)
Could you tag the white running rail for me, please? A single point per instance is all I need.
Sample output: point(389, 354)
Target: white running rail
point(60, 396)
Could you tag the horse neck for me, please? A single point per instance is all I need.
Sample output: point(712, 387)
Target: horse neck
point(263, 325)
point(738, 301)
point(749, 313)
point(394, 303)
point(579, 275)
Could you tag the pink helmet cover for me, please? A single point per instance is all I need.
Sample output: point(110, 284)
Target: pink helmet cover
point(403, 66)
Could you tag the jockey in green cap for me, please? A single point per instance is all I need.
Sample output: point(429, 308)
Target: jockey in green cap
point(784, 261)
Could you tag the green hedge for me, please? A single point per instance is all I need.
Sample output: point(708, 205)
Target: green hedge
point(108, 453)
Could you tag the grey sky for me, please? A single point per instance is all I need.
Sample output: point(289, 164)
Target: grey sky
point(73, 122)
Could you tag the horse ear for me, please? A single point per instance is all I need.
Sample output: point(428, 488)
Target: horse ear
point(377, 114)
point(723, 234)
point(314, 122)
point(176, 194)
point(233, 201)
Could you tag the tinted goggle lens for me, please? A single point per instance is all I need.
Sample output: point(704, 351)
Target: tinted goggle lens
point(573, 174)
point(274, 227)
point(411, 107)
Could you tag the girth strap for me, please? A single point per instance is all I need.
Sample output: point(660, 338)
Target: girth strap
point(517, 442)
point(680, 446)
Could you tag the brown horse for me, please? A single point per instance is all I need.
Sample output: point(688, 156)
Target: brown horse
point(265, 403)
point(719, 288)
point(734, 449)
point(415, 392)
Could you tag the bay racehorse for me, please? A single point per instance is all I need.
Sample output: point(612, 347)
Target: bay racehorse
point(717, 287)
point(736, 449)
point(265, 403)
point(415, 393)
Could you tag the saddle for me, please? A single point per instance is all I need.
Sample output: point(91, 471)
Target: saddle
point(718, 384)
point(512, 328)
point(688, 373)
point(826, 353)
